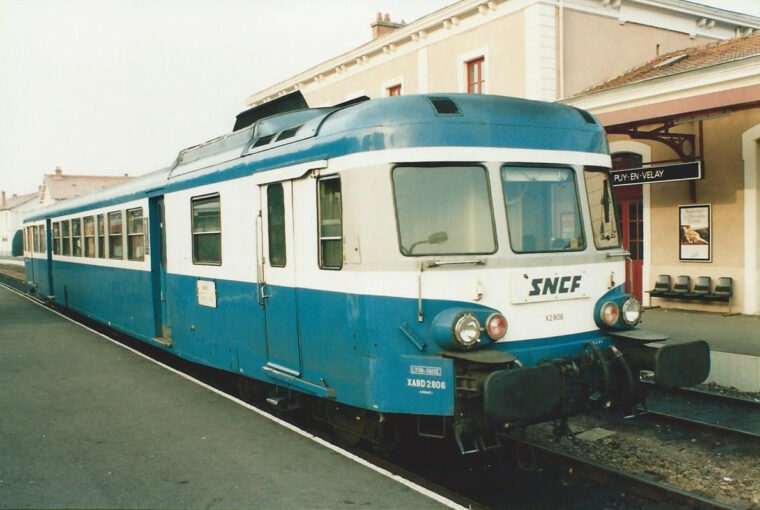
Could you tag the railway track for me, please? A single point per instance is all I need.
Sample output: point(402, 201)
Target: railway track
point(650, 489)
point(726, 416)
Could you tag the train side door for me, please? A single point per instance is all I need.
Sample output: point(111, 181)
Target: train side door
point(277, 277)
point(157, 230)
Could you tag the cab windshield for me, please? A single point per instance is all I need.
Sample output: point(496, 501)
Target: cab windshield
point(542, 209)
point(443, 210)
point(601, 208)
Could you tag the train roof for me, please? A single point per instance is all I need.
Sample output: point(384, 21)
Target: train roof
point(304, 135)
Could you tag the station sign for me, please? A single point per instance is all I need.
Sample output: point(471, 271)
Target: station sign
point(658, 173)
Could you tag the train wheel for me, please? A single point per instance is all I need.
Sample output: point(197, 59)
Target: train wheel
point(250, 390)
point(350, 425)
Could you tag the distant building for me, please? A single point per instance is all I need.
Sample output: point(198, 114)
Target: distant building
point(57, 186)
point(12, 212)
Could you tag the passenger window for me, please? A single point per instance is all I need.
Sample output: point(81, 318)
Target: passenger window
point(207, 230)
point(36, 236)
point(135, 235)
point(542, 209)
point(276, 225)
point(76, 237)
point(115, 242)
point(443, 210)
point(43, 239)
point(101, 237)
point(330, 223)
point(66, 238)
point(56, 238)
point(89, 236)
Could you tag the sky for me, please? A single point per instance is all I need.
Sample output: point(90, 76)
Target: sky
point(108, 87)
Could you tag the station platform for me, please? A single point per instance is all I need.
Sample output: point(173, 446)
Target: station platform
point(734, 342)
point(87, 423)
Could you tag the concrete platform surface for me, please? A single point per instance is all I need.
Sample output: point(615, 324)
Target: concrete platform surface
point(737, 334)
point(85, 423)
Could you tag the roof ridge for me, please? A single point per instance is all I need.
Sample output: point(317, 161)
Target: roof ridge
point(665, 68)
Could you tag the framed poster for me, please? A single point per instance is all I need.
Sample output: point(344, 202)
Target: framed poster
point(695, 233)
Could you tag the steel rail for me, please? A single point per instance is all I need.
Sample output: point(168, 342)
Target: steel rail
point(705, 395)
point(639, 485)
point(700, 426)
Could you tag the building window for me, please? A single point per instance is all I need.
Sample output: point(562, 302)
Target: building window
point(276, 225)
point(394, 90)
point(115, 242)
point(207, 230)
point(330, 223)
point(56, 238)
point(65, 238)
point(475, 78)
point(135, 234)
point(89, 236)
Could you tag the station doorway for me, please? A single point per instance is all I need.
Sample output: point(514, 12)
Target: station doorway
point(630, 209)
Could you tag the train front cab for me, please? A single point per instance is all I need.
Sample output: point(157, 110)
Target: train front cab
point(517, 280)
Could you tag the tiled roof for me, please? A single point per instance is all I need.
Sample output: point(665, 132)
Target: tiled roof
point(682, 61)
point(15, 200)
point(63, 187)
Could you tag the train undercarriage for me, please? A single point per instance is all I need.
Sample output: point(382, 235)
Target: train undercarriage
point(495, 394)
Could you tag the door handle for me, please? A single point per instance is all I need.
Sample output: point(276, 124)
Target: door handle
point(263, 292)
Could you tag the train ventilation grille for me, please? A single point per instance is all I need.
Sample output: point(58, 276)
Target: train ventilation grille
point(445, 106)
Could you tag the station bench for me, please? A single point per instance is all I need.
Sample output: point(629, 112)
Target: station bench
point(702, 291)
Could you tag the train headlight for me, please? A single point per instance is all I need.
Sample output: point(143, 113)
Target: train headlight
point(467, 330)
point(609, 313)
point(496, 326)
point(631, 311)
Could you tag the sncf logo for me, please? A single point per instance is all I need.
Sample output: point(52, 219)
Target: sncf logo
point(556, 285)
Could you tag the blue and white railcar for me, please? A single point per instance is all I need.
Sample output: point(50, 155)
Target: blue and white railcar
point(449, 257)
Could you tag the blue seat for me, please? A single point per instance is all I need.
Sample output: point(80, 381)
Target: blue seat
point(681, 287)
point(723, 290)
point(661, 286)
point(702, 288)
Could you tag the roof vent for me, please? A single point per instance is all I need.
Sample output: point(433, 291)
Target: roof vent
point(445, 106)
point(586, 115)
point(263, 140)
point(288, 133)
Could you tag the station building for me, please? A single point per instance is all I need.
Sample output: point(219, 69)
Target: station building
point(556, 50)
point(686, 126)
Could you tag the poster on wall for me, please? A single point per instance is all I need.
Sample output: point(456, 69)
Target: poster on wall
point(695, 235)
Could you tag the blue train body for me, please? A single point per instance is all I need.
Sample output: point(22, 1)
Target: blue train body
point(436, 256)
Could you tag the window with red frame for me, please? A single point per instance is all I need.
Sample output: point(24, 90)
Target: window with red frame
point(475, 78)
point(395, 90)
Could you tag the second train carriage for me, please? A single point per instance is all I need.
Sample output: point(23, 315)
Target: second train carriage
point(451, 257)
